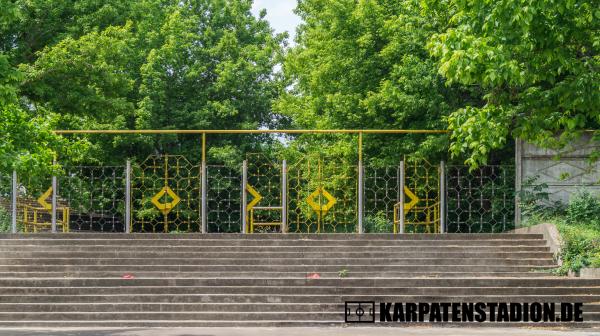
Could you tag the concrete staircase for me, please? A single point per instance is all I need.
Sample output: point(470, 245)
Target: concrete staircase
point(136, 280)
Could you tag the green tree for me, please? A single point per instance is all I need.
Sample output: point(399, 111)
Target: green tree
point(363, 64)
point(537, 64)
point(25, 136)
point(213, 68)
point(162, 64)
point(36, 24)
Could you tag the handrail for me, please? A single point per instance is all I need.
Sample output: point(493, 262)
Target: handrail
point(259, 131)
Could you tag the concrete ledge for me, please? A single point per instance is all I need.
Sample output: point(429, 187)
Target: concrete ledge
point(551, 235)
point(591, 273)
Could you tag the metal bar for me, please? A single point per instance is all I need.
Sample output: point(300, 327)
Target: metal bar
point(360, 196)
point(284, 196)
point(204, 205)
point(360, 141)
point(14, 202)
point(287, 131)
point(244, 196)
point(128, 197)
point(401, 210)
point(53, 210)
point(443, 197)
point(203, 147)
point(518, 179)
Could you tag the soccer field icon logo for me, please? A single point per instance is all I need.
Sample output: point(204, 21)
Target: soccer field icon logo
point(359, 311)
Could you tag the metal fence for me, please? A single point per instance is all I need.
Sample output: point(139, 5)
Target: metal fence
point(6, 203)
point(312, 194)
point(95, 197)
point(480, 200)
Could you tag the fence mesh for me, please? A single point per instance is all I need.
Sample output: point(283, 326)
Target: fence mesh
point(480, 200)
point(166, 194)
point(381, 194)
point(322, 196)
point(95, 197)
point(224, 199)
point(5, 202)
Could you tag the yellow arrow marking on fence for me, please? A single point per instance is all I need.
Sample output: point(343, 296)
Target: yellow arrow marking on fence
point(256, 197)
point(44, 197)
point(165, 208)
point(413, 199)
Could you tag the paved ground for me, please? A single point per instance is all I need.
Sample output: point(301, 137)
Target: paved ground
point(355, 331)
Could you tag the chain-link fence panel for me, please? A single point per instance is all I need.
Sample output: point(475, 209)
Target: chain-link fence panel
point(322, 196)
point(422, 196)
point(5, 202)
point(263, 189)
point(34, 205)
point(95, 196)
point(381, 194)
point(166, 195)
point(224, 199)
point(480, 200)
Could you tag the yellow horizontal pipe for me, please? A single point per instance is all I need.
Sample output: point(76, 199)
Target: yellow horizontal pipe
point(286, 131)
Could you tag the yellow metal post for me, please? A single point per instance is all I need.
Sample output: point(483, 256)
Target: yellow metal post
point(360, 185)
point(203, 147)
point(360, 138)
point(166, 220)
point(204, 185)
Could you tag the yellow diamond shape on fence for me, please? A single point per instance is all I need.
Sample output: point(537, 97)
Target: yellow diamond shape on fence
point(44, 197)
point(256, 197)
point(413, 199)
point(321, 208)
point(166, 207)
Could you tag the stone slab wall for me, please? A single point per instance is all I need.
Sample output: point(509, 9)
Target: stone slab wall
point(564, 171)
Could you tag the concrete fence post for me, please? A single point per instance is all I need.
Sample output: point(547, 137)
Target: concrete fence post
point(14, 202)
point(244, 196)
point(54, 202)
point(401, 210)
point(128, 197)
point(360, 196)
point(204, 206)
point(284, 196)
point(443, 197)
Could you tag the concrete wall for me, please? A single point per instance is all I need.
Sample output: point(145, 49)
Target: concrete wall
point(564, 171)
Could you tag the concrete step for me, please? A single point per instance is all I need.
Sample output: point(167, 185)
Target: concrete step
point(263, 279)
point(100, 249)
point(275, 268)
point(412, 254)
point(288, 298)
point(302, 290)
point(267, 236)
point(344, 282)
point(195, 316)
point(295, 275)
point(276, 260)
point(275, 324)
point(195, 307)
point(277, 242)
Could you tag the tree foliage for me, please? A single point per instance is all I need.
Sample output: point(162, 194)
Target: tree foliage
point(161, 64)
point(363, 64)
point(487, 70)
point(537, 64)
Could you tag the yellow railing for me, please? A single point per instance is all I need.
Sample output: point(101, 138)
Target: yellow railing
point(36, 218)
point(259, 131)
point(254, 222)
point(426, 216)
